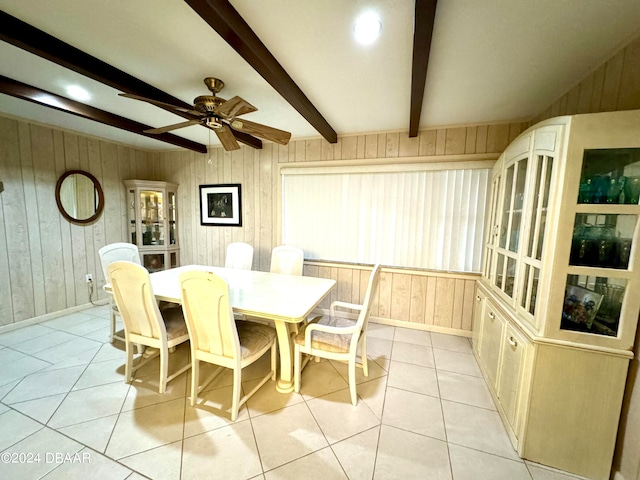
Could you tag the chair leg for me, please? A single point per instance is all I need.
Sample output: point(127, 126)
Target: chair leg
point(352, 381)
point(237, 384)
point(274, 361)
point(297, 367)
point(128, 366)
point(113, 326)
point(164, 370)
point(195, 377)
point(363, 356)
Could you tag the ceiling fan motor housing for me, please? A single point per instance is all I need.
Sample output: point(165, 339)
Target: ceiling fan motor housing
point(207, 103)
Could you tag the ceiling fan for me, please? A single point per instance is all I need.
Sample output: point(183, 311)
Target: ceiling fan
point(219, 115)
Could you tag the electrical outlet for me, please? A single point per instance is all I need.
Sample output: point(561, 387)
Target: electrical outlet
point(89, 278)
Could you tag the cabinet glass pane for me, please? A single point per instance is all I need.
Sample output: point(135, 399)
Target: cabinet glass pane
point(593, 304)
point(151, 209)
point(132, 215)
point(610, 176)
point(506, 207)
point(171, 215)
point(602, 240)
point(505, 273)
point(515, 181)
point(544, 164)
point(528, 300)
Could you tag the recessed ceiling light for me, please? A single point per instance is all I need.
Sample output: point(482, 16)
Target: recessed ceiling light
point(78, 93)
point(367, 28)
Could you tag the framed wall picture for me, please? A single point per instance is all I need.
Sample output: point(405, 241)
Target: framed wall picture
point(220, 205)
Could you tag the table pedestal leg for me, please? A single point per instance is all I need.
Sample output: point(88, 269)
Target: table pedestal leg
point(285, 382)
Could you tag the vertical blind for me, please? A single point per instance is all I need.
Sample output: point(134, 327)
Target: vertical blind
point(422, 219)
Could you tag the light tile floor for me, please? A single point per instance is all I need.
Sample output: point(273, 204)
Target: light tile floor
point(424, 412)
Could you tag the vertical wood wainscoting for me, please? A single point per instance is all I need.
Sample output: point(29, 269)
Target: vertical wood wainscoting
point(425, 300)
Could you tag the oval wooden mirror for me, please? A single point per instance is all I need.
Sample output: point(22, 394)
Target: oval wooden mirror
point(79, 197)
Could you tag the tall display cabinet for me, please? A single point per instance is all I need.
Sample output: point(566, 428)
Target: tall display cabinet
point(153, 222)
point(558, 303)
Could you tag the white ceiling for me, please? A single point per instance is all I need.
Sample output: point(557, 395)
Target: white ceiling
point(491, 60)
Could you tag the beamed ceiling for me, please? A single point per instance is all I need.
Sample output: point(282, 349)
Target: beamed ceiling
point(447, 63)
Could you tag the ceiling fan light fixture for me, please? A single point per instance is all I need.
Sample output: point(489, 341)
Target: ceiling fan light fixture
point(367, 28)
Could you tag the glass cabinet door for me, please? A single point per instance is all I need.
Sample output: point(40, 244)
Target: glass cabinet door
point(602, 245)
point(171, 215)
point(131, 200)
point(151, 210)
point(510, 226)
point(532, 258)
point(491, 235)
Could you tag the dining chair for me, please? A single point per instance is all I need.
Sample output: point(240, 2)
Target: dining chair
point(337, 338)
point(112, 253)
point(218, 339)
point(143, 322)
point(287, 259)
point(239, 255)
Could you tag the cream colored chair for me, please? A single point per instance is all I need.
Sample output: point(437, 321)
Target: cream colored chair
point(287, 259)
point(143, 322)
point(338, 339)
point(218, 339)
point(239, 255)
point(115, 252)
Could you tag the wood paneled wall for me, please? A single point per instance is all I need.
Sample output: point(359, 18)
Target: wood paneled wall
point(613, 86)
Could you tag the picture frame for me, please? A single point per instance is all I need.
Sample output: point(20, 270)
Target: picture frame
point(581, 305)
point(221, 205)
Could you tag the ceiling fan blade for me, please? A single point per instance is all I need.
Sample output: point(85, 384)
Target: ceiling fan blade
point(262, 131)
point(161, 104)
point(234, 107)
point(175, 126)
point(226, 137)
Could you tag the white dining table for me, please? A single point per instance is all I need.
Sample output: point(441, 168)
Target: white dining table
point(287, 300)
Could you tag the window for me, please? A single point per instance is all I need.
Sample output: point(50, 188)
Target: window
point(415, 217)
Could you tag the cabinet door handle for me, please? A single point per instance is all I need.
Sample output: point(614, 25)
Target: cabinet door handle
point(478, 298)
point(491, 315)
point(512, 342)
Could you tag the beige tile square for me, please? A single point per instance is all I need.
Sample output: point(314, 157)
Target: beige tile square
point(338, 418)
point(379, 330)
point(78, 323)
point(410, 335)
point(43, 342)
point(45, 443)
point(21, 366)
point(454, 343)
point(44, 384)
point(379, 347)
point(229, 451)
point(161, 463)
point(101, 373)
point(320, 465)
point(318, 379)
point(477, 428)
point(146, 428)
point(468, 464)
point(40, 409)
point(15, 427)
point(76, 348)
point(89, 404)
point(373, 393)
point(465, 389)
point(286, 435)
point(357, 454)
point(110, 351)
point(456, 362)
point(213, 410)
point(403, 454)
point(24, 334)
point(268, 399)
point(414, 412)
point(543, 472)
point(375, 371)
point(94, 433)
point(414, 378)
point(144, 391)
point(412, 353)
point(89, 464)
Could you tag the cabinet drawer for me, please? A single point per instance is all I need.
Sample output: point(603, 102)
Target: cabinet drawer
point(514, 348)
point(478, 314)
point(492, 333)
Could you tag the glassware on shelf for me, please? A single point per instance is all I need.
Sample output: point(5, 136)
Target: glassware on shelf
point(615, 189)
point(632, 190)
point(611, 305)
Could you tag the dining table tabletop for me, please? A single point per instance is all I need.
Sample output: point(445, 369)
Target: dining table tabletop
point(286, 300)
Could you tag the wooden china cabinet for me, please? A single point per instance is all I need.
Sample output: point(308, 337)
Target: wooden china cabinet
point(558, 303)
point(153, 222)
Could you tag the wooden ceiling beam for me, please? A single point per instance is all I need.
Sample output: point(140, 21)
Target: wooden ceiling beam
point(228, 23)
point(35, 95)
point(425, 14)
point(25, 36)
